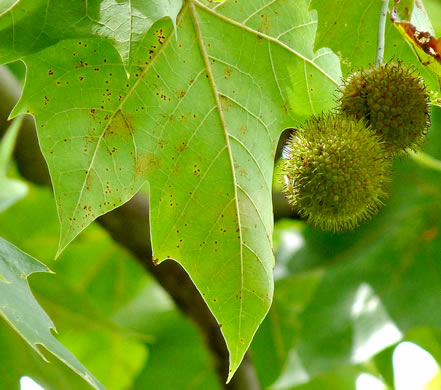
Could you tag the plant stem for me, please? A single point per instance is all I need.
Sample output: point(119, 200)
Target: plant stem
point(426, 160)
point(381, 31)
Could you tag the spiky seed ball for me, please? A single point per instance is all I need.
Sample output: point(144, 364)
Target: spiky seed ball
point(394, 101)
point(334, 172)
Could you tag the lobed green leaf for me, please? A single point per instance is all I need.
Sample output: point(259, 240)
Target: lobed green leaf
point(199, 120)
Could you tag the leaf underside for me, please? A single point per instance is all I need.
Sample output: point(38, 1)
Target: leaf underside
point(199, 119)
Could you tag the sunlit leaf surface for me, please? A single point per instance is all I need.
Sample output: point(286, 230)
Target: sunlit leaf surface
point(199, 119)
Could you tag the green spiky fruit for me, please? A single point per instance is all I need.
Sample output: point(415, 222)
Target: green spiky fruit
point(393, 100)
point(334, 172)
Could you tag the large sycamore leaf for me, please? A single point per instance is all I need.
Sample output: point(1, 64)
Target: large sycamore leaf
point(23, 313)
point(199, 120)
point(28, 26)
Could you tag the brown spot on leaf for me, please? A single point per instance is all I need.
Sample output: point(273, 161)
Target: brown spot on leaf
point(285, 107)
point(121, 126)
point(196, 170)
point(146, 162)
point(180, 93)
point(180, 148)
point(225, 103)
point(227, 73)
point(160, 36)
point(90, 179)
point(264, 26)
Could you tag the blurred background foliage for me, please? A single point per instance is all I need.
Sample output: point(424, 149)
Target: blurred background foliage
point(345, 304)
point(348, 299)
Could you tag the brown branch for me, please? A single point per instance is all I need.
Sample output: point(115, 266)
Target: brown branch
point(128, 226)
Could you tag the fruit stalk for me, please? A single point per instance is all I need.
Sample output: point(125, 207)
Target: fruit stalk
point(425, 160)
point(381, 31)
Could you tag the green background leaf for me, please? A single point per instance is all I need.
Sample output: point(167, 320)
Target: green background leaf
point(350, 29)
point(29, 26)
point(23, 313)
point(433, 9)
point(411, 28)
point(81, 298)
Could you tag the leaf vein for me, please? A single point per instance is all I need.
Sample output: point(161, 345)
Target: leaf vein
point(267, 37)
point(256, 255)
point(194, 191)
point(224, 126)
point(249, 112)
point(295, 28)
point(258, 10)
point(254, 159)
point(258, 212)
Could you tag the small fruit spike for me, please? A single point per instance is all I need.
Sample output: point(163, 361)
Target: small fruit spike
point(393, 99)
point(334, 172)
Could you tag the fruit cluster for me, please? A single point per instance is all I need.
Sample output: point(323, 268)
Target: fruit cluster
point(394, 102)
point(336, 166)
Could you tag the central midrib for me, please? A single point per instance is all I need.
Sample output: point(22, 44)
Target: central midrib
point(227, 140)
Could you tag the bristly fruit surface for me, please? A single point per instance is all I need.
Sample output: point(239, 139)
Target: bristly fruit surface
point(393, 99)
point(334, 172)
